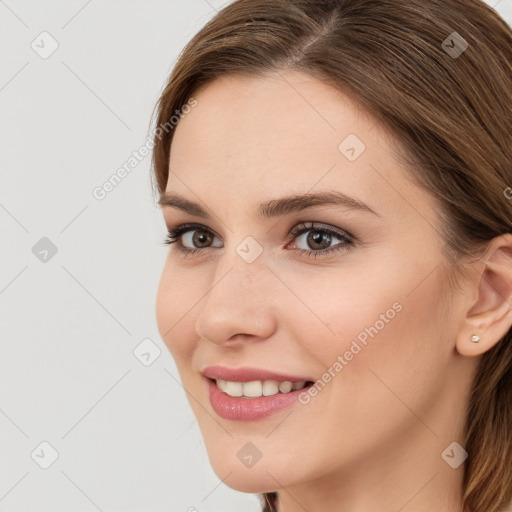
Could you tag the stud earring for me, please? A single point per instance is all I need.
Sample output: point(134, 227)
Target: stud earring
point(475, 338)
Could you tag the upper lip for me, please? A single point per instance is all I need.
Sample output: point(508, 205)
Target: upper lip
point(247, 374)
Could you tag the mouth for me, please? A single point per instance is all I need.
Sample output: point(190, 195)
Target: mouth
point(257, 407)
point(259, 388)
point(250, 394)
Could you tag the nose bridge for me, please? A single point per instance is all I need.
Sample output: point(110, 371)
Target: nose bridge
point(243, 267)
point(237, 301)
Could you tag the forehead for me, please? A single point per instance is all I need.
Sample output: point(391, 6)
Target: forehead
point(286, 132)
point(258, 120)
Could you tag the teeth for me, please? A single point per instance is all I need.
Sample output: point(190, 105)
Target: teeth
point(270, 387)
point(299, 385)
point(285, 387)
point(257, 388)
point(233, 388)
point(252, 389)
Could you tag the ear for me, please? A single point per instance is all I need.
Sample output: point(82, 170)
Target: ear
point(489, 314)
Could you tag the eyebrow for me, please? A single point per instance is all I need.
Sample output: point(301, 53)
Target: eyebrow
point(275, 207)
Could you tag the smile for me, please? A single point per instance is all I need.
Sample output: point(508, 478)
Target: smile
point(258, 388)
point(253, 400)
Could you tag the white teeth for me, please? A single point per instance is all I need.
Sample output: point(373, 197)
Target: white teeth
point(257, 388)
point(234, 388)
point(285, 387)
point(270, 387)
point(252, 389)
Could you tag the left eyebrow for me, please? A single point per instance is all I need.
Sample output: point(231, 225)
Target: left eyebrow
point(275, 207)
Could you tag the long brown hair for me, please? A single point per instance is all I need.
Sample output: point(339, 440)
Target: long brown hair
point(448, 105)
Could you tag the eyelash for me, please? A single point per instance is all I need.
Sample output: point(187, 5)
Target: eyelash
point(347, 240)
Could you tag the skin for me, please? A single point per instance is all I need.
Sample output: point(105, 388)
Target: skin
point(372, 439)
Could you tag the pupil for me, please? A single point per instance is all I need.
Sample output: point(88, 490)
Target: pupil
point(200, 239)
point(319, 237)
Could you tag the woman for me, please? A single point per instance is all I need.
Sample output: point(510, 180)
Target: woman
point(337, 295)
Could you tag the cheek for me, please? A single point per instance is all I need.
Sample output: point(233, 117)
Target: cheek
point(404, 350)
point(176, 297)
point(333, 309)
point(380, 330)
point(402, 360)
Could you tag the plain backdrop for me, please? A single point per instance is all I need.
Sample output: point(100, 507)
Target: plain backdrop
point(92, 415)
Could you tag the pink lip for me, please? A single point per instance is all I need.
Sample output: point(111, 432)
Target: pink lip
point(248, 409)
point(246, 374)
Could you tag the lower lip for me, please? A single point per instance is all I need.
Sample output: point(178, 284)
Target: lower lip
point(248, 409)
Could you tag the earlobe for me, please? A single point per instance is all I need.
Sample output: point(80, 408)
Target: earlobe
point(489, 317)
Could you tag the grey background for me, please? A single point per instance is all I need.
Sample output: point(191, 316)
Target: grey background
point(123, 430)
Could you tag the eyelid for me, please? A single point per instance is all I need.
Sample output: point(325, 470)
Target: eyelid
point(302, 227)
point(178, 229)
point(347, 240)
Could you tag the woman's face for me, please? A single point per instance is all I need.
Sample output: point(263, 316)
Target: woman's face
point(358, 308)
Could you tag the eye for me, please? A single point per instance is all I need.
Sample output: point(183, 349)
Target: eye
point(317, 240)
point(193, 238)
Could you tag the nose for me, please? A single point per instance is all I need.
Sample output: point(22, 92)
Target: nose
point(238, 306)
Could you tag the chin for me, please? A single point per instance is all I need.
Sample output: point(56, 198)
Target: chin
point(251, 480)
point(265, 475)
